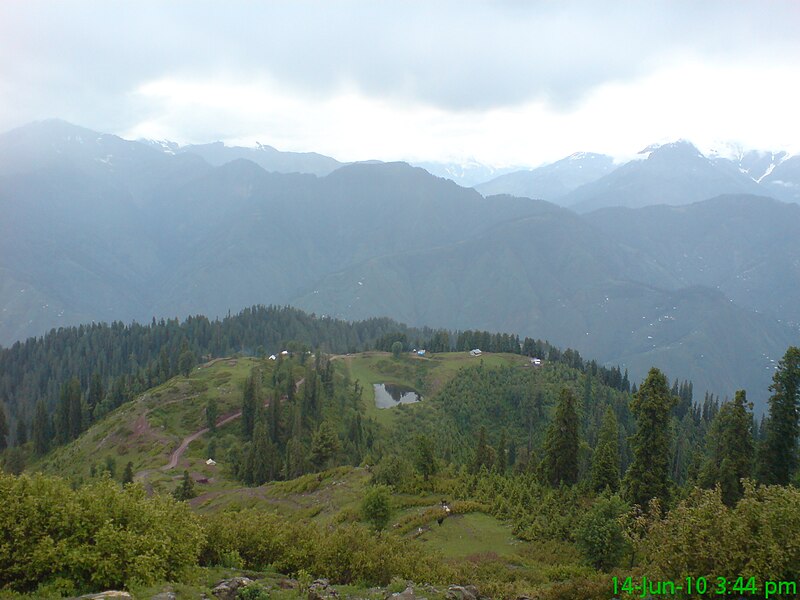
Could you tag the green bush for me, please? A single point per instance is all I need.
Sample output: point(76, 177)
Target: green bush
point(702, 537)
point(99, 536)
point(599, 535)
point(376, 507)
point(344, 554)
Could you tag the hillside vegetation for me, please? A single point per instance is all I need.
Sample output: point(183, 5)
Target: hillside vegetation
point(553, 481)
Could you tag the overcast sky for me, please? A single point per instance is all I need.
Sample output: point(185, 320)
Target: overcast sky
point(505, 82)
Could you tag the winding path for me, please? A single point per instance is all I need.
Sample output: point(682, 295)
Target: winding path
point(176, 456)
point(224, 420)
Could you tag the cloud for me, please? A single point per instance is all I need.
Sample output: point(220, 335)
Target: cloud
point(93, 62)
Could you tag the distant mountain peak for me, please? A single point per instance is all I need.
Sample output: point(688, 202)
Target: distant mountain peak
point(678, 147)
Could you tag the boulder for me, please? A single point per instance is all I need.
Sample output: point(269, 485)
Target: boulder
point(321, 589)
point(407, 594)
point(467, 592)
point(229, 588)
point(287, 583)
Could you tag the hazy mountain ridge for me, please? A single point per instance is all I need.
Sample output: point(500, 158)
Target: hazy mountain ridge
point(149, 233)
point(674, 173)
point(556, 275)
point(744, 245)
point(552, 181)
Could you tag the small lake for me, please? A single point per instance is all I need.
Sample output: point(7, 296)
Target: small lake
point(388, 395)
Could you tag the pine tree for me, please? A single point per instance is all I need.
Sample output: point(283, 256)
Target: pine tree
point(211, 414)
point(605, 461)
point(249, 404)
point(22, 432)
point(560, 463)
point(3, 429)
point(75, 409)
point(295, 458)
point(648, 474)
point(186, 361)
point(62, 416)
point(263, 454)
point(424, 457)
point(127, 475)
point(95, 395)
point(501, 463)
point(324, 445)
point(730, 449)
point(275, 434)
point(482, 453)
point(41, 429)
point(185, 491)
point(778, 456)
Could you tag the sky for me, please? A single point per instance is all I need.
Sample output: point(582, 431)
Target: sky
point(503, 83)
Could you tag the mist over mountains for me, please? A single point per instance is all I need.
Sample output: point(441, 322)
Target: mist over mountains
point(100, 228)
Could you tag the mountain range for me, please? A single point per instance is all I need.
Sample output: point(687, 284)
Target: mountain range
point(674, 173)
point(100, 228)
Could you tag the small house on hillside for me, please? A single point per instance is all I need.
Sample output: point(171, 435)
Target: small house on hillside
point(475, 352)
point(211, 462)
point(536, 362)
point(273, 357)
point(420, 352)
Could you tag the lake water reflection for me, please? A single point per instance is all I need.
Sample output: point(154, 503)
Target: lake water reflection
point(388, 395)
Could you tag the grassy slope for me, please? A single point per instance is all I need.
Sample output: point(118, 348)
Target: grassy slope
point(147, 430)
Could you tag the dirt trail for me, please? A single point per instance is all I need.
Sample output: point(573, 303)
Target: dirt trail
point(224, 420)
point(176, 456)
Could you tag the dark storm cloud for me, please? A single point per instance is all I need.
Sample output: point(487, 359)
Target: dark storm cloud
point(84, 60)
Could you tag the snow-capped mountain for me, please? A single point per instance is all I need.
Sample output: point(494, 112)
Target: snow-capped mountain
point(468, 173)
point(551, 182)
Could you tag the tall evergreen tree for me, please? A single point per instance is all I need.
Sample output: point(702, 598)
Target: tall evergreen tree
point(75, 409)
point(324, 445)
point(501, 462)
point(3, 429)
point(212, 412)
point(127, 474)
point(560, 463)
point(778, 456)
point(265, 460)
point(648, 474)
point(62, 416)
point(275, 433)
point(730, 449)
point(95, 395)
point(483, 456)
point(424, 456)
point(605, 461)
point(186, 361)
point(185, 491)
point(22, 432)
point(250, 404)
point(41, 429)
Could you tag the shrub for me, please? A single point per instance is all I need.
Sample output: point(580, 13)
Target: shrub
point(375, 507)
point(760, 539)
point(599, 534)
point(99, 536)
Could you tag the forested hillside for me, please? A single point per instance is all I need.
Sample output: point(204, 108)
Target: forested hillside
point(559, 475)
